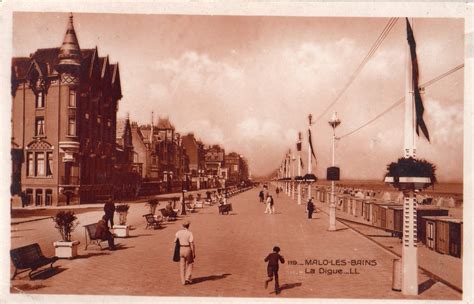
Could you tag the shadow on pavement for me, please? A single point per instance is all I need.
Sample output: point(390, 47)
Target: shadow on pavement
point(210, 278)
point(47, 273)
point(25, 287)
point(139, 235)
point(89, 255)
point(122, 247)
point(340, 229)
point(290, 286)
point(425, 285)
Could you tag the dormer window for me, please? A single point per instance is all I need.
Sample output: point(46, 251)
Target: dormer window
point(40, 100)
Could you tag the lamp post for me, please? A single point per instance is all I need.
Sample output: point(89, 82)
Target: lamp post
point(293, 176)
point(310, 117)
point(333, 122)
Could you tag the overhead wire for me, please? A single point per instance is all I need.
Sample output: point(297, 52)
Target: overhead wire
point(402, 99)
point(388, 27)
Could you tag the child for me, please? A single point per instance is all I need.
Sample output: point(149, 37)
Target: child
point(272, 267)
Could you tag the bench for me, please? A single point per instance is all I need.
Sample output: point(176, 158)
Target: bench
point(167, 215)
point(189, 207)
point(151, 221)
point(30, 257)
point(225, 209)
point(90, 236)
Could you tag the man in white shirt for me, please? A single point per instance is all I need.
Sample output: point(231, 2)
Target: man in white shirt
point(187, 252)
point(270, 208)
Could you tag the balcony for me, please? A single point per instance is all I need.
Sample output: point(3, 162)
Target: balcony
point(70, 180)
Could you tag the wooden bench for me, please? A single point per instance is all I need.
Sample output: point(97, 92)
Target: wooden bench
point(30, 257)
point(90, 236)
point(225, 209)
point(167, 215)
point(189, 207)
point(151, 221)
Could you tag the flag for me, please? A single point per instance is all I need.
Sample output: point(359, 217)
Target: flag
point(311, 144)
point(298, 144)
point(419, 109)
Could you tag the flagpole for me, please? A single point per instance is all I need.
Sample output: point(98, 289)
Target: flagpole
point(409, 249)
point(299, 167)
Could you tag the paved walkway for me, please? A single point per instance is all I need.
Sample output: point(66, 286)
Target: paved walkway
point(230, 252)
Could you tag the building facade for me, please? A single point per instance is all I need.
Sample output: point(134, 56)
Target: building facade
point(64, 105)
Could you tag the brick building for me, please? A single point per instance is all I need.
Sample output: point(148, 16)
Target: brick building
point(64, 105)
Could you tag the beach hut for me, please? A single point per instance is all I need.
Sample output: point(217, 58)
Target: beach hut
point(423, 211)
point(444, 234)
point(395, 219)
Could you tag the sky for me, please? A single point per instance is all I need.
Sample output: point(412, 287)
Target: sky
point(248, 83)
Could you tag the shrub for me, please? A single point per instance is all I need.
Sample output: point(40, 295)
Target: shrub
point(66, 222)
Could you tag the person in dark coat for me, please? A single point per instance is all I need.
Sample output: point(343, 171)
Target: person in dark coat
point(272, 267)
point(310, 208)
point(261, 195)
point(109, 209)
point(102, 232)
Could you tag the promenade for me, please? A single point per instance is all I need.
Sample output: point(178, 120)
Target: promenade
point(229, 257)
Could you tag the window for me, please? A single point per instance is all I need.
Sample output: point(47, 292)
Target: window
point(29, 196)
point(71, 126)
point(49, 163)
point(39, 126)
point(40, 100)
point(39, 197)
point(40, 164)
point(30, 167)
point(72, 98)
point(49, 197)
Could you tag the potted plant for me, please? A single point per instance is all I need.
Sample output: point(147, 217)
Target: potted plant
point(122, 229)
point(66, 222)
point(152, 204)
point(411, 174)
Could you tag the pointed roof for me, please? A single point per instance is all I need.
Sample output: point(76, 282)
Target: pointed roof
point(70, 52)
point(164, 123)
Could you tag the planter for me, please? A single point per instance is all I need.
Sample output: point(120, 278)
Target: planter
point(121, 231)
point(66, 250)
point(409, 183)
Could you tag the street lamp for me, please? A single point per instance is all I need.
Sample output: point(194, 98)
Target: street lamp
point(333, 173)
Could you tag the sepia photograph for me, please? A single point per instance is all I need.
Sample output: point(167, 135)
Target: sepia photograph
point(236, 153)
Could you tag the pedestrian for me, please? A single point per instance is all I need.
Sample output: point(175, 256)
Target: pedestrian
point(102, 232)
point(23, 199)
point(272, 267)
point(261, 196)
point(269, 209)
point(187, 253)
point(310, 208)
point(109, 209)
point(277, 191)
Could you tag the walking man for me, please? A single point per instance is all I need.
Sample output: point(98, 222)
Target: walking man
point(272, 267)
point(261, 196)
point(109, 209)
point(310, 208)
point(269, 209)
point(187, 253)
